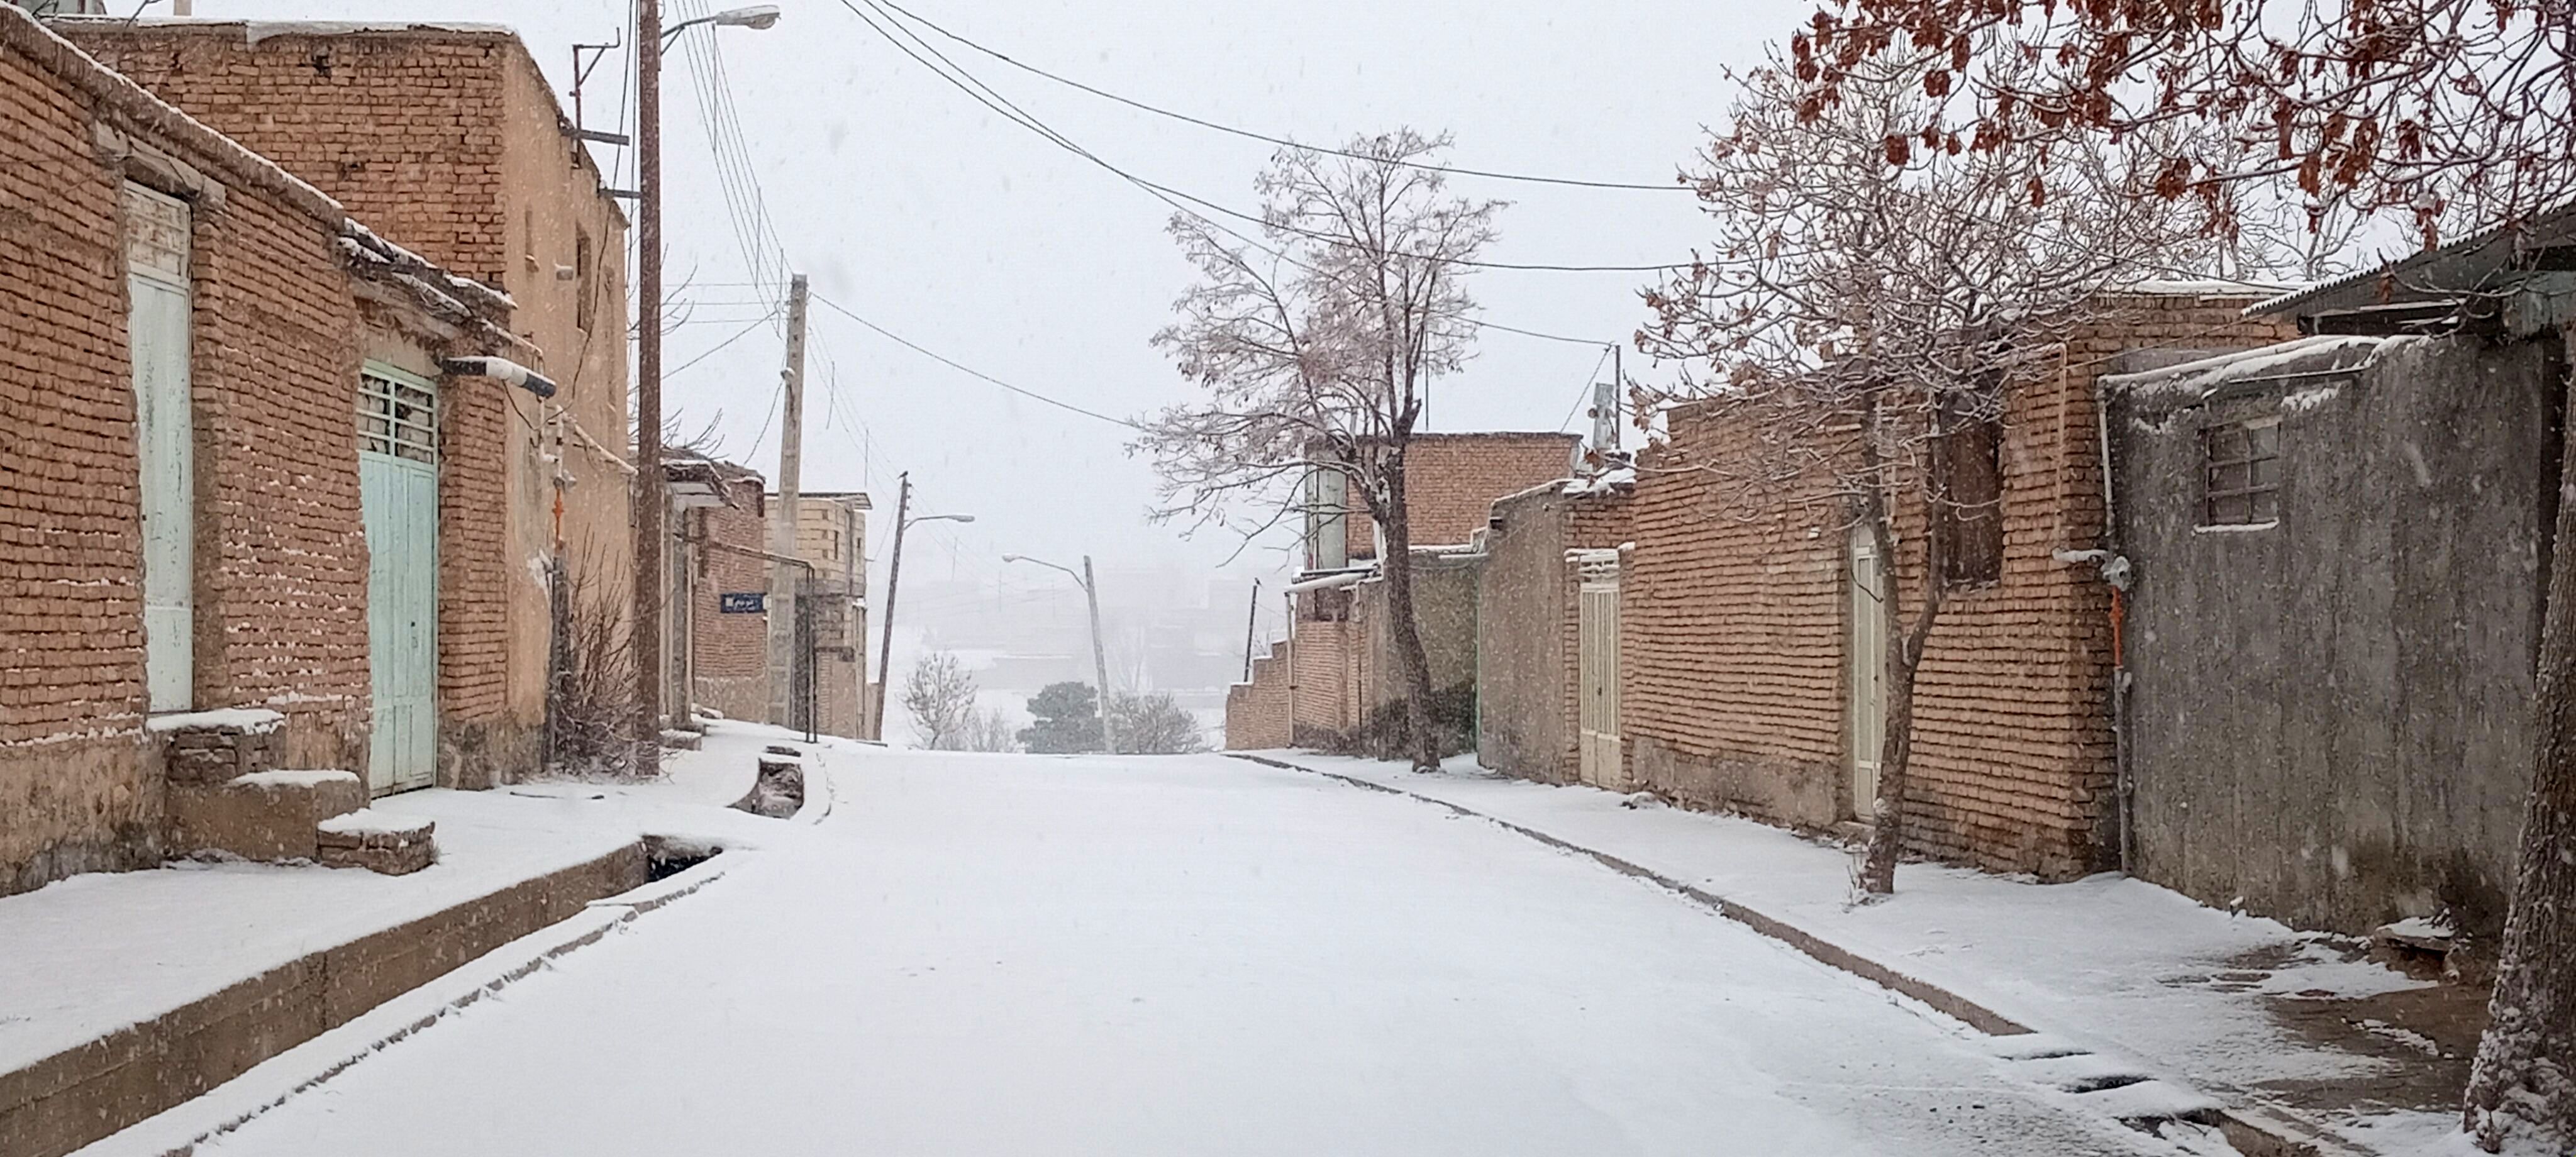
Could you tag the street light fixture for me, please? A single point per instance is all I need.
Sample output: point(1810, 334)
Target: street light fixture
point(1099, 658)
point(903, 520)
point(757, 17)
point(648, 625)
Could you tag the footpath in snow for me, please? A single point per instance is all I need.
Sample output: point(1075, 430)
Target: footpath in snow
point(92, 954)
point(2243, 1009)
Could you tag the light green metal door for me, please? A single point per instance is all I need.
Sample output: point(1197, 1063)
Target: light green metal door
point(156, 328)
point(398, 484)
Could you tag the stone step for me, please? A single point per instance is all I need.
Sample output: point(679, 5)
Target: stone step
point(266, 815)
point(393, 845)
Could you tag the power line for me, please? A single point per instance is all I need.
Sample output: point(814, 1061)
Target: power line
point(1265, 137)
point(1586, 391)
point(970, 371)
point(1013, 114)
point(711, 350)
point(993, 99)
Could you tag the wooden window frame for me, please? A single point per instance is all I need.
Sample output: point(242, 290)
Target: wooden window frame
point(1971, 526)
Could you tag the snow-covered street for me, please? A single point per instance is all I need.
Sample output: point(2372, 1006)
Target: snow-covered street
point(983, 954)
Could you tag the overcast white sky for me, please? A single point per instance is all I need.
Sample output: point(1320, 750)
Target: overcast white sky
point(941, 221)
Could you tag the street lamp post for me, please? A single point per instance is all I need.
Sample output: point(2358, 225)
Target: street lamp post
point(903, 521)
point(1099, 657)
point(645, 637)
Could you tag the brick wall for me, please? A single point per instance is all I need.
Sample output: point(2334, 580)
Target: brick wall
point(402, 128)
point(730, 653)
point(1256, 713)
point(73, 795)
point(1733, 619)
point(448, 142)
point(282, 602)
point(281, 561)
point(1452, 480)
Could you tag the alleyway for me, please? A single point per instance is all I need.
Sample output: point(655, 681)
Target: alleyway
point(1016, 954)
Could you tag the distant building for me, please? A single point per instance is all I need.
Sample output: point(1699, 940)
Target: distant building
point(1331, 682)
point(831, 536)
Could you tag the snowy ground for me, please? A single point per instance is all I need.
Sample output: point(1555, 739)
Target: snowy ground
point(2120, 966)
point(94, 953)
point(1019, 954)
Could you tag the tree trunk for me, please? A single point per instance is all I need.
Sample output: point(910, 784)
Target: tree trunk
point(1887, 832)
point(2523, 1087)
point(1409, 654)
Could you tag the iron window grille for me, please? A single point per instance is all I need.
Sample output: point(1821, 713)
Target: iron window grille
point(2241, 474)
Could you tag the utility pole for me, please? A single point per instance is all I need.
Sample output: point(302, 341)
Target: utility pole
point(783, 524)
point(894, 574)
point(1251, 618)
point(645, 633)
point(1099, 657)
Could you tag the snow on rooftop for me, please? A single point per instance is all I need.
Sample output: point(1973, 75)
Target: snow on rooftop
point(254, 720)
point(255, 31)
point(1604, 482)
point(2203, 287)
point(2307, 355)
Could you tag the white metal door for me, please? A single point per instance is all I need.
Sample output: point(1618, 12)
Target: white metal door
point(398, 492)
point(1868, 675)
point(1597, 678)
point(156, 325)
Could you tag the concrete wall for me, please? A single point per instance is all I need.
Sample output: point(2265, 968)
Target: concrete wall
point(2330, 716)
point(1526, 620)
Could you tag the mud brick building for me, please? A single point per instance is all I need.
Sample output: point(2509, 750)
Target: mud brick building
point(831, 536)
point(718, 570)
point(1545, 549)
point(447, 141)
point(1323, 685)
point(1747, 643)
point(234, 443)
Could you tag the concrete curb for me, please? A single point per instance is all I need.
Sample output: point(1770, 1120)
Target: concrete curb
point(178, 1131)
point(2257, 1130)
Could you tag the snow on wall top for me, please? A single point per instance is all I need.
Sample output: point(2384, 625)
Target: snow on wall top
point(287, 779)
point(66, 60)
point(2203, 287)
point(367, 821)
point(2307, 355)
point(258, 30)
point(251, 720)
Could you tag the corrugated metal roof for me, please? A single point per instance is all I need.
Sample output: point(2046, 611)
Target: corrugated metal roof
point(2554, 222)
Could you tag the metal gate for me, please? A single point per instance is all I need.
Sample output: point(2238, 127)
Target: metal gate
point(1597, 677)
point(1868, 676)
point(398, 486)
point(157, 328)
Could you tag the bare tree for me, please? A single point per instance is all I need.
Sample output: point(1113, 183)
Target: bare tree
point(1316, 351)
point(940, 695)
point(1863, 316)
point(989, 729)
point(2435, 111)
point(2442, 113)
point(1155, 724)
